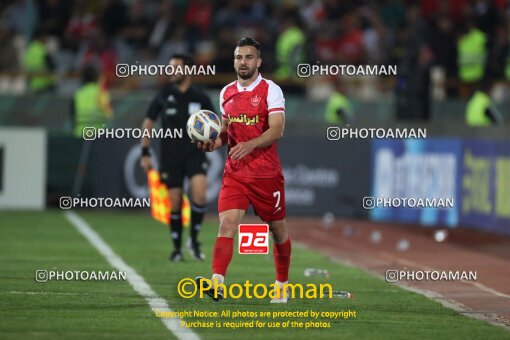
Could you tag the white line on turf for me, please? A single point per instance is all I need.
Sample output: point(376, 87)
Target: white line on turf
point(155, 302)
point(490, 290)
point(410, 263)
point(491, 318)
point(424, 267)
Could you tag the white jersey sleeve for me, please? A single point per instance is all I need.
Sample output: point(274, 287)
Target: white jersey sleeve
point(275, 99)
point(222, 94)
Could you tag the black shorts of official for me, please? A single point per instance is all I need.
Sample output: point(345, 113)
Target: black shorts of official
point(173, 172)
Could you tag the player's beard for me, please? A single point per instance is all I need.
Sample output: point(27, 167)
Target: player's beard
point(177, 79)
point(246, 75)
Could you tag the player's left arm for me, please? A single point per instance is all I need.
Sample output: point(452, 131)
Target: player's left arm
point(276, 126)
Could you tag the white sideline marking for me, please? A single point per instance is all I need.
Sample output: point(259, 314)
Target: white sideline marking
point(490, 290)
point(490, 318)
point(424, 267)
point(137, 282)
point(410, 263)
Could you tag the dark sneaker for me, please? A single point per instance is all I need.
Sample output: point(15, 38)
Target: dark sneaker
point(194, 250)
point(176, 256)
point(201, 282)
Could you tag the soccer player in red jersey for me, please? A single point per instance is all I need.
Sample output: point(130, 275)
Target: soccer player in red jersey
point(253, 112)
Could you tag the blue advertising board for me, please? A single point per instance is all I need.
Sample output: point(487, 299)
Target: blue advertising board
point(417, 170)
point(474, 172)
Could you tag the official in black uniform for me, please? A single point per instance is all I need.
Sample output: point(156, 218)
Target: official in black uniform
point(179, 158)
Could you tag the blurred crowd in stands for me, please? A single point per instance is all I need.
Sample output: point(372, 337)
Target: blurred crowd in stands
point(464, 41)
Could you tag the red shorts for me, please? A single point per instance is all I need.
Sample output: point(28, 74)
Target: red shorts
point(266, 195)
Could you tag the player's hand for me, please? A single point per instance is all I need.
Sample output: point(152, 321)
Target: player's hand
point(242, 149)
point(146, 163)
point(204, 146)
point(209, 146)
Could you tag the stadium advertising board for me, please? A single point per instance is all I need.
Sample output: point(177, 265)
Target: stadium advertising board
point(22, 168)
point(485, 200)
point(333, 180)
point(123, 156)
point(416, 169)
point(333, 177)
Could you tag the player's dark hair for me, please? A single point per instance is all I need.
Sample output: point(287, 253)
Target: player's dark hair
point(247, 41)
point(89, 74)
point(485, 85)
point(185, 57)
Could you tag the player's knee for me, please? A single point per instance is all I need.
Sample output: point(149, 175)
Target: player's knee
point(280, 237)
point(199, 199)
point(175, 201)
point(279, 231)
point(277, 225)
point(228, 225)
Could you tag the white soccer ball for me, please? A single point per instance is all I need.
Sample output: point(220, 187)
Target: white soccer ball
point(203, 126)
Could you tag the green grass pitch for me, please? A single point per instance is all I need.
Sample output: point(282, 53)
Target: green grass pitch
point(112, 309)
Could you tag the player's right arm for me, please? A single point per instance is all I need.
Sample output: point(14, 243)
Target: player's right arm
point(222, 137)
point(148, 123)
point(145, 160)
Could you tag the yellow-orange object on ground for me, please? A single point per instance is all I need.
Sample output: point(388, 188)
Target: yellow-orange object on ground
point(160, 202)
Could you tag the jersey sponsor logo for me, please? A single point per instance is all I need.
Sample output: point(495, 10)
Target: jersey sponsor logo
point(171, 111)
point(171, 99)
point(253, 239)
point(255, 100)
point(244, 119)
point(194, 107)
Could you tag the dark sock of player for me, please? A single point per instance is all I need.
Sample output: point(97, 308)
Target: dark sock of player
point(281, 253)
point(222, 254)
point(176, 229)
point(197, 216)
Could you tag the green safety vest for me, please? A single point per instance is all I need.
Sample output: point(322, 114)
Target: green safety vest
point(87, 108)
point(35, 62)
point(335, 102)
point(471, 56)
point(475, 111)
point(289, 51)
